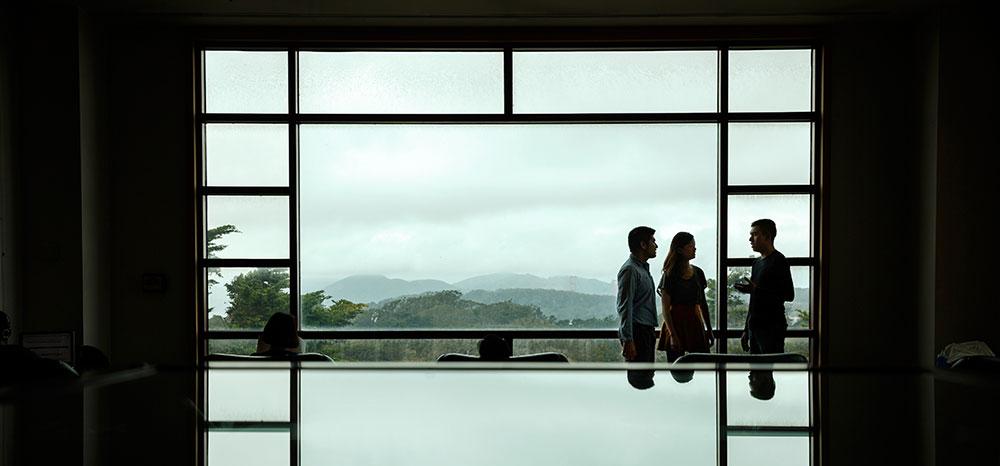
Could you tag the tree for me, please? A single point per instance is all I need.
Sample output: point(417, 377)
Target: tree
point(255, 295)
point(339, 313)
point(213, 235)
point(212, 246)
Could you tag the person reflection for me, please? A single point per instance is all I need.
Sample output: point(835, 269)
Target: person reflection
point(762, 385)
point(637, 306)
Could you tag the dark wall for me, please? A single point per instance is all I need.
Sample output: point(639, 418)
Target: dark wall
point(880, 111)
point(153, 194)
point(967, 187)
point(47, 124)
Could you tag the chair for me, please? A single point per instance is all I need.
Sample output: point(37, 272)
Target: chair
point(977, 364)
point(550, 356)
point(742, 358)
point(282, 356)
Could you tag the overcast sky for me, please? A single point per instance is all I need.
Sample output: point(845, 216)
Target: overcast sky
point(453, 201)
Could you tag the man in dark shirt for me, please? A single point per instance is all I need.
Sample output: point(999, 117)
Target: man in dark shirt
point(637, 305)
point(770, 285)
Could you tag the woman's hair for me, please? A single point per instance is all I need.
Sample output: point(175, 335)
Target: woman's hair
point(680, 240)
point(279, 332)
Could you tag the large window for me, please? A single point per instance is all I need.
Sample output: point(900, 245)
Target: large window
point(389, 197)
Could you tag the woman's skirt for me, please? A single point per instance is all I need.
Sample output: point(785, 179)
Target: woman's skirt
point(689, 330)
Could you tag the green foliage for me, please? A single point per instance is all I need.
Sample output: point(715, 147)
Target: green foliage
point(447, 309)
point(212, 246)
point(560, 304)
point(255, 295)
point(217, 323)
point(213, 235)
point(339, 313)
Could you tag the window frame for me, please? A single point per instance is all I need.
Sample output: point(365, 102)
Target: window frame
point(501, 41)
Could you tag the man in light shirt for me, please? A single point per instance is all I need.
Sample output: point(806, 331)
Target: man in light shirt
point(637, 305)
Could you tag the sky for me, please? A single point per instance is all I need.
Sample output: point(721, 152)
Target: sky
point(449, 202)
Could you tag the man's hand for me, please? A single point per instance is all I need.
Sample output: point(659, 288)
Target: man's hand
point(745, 341)
point(745, 286)
point(711, 339)
point(629, 351)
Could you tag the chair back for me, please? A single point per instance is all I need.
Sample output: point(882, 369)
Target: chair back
point(550, 356)
point(742, 358)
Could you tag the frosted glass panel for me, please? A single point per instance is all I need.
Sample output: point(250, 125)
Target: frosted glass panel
point(615, 82)
point(791, 213)
point(502, 418)
point(401, 82)
point(770, 153)
point(248, 448)
point(246, 155)
point(249, 394)
point(768, 451)
point(770, 80)
point(261, 224)
point(785, 398)
point(246, 82)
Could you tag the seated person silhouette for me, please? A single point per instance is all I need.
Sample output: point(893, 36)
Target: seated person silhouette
point(494, 348)
point(20, 364)
point(90, 359)
point(280, 336)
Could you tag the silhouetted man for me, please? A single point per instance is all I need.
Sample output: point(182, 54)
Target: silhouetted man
point(637, 305)
point(770, 285)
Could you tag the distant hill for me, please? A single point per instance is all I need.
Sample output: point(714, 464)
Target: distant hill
point(563, 305)
point(372, 288)
point(375, 288)
point(499, 281)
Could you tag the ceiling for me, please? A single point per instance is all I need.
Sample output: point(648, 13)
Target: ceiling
point(502, 12)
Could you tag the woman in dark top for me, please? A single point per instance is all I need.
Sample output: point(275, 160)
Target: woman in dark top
point(686, 325)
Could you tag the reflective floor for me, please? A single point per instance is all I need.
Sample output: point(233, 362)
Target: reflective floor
point(250, 413)
point(513, 414)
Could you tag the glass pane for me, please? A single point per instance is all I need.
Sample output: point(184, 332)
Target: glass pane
point(244, 298)
point(796, 311)
point(790, 212)
point(248, 448)
point(768, 451)
point(506, 226)
point(423, 350)
point(770, 153)
point(770, 80)
point(792, 345)
point(240, 394)
point(247, 227)
point(246, 82)
point(229, 346)
point(576, 350)
point(616, 82)
point(441, 419)
point(246, 155)
point(768, 398)
point(401, 82)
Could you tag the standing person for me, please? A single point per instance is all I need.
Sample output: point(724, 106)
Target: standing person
point(769, 286)
point(687, 327)
point(637, 305)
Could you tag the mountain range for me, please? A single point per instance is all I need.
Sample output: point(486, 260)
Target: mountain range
point(374, 288)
